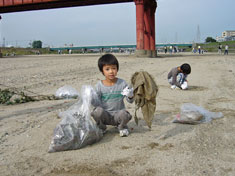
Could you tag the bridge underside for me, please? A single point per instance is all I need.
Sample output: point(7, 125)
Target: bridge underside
point(7, 6)
point(145, 16)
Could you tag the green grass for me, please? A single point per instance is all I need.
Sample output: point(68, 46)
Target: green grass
point(213, 47)
point(25, 51)
point(209, 47)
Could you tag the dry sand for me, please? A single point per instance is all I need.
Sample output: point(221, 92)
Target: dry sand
point(168, 149)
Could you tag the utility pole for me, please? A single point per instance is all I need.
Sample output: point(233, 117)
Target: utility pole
point(176, 37)
point(3, 44)
point(198, 34)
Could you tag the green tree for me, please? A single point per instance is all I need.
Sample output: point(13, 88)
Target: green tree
point(210, 39)
point(37, 44)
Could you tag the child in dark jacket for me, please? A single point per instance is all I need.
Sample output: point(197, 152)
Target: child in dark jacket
point(177, 77)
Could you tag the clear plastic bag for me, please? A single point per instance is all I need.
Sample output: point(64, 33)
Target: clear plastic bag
point(77, 128)
point(66, 92)
point(192, 114)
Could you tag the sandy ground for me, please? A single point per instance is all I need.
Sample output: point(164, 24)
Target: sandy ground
point(168, 149)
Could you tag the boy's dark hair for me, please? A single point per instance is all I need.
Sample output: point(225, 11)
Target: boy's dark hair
point(107, 59)
point(185, 68)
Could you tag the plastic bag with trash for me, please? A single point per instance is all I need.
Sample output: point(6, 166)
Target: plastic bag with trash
point(77, 128)
point(66, 92)
point(192, 114)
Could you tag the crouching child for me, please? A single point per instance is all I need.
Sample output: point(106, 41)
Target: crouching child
point(177, 77)
point(111, 91)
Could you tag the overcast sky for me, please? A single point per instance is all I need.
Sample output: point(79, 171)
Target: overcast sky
point(176, 21)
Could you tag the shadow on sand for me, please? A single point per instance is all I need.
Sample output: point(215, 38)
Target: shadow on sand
point(196, 88)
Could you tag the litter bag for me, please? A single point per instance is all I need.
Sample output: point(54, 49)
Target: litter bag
point(77, 128)
point(192, 114)
point(66, 92)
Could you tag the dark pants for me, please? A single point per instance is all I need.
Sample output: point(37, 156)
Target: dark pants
point(103, 118)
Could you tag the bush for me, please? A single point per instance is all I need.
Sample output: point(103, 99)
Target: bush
point(210, 39)
point(37, 44)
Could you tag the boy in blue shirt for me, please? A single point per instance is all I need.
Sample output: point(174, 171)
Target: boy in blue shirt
point(111, 92)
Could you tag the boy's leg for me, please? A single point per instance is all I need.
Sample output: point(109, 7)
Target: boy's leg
point(99, 115)
point(170, 81)
point(121, 119)
point(180, 78)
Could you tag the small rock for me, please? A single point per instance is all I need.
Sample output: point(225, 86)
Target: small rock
point(15, 97)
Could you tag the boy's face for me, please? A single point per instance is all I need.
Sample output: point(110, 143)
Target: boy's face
point(110, 71)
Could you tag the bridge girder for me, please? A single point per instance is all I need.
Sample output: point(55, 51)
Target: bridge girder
point(7, 6)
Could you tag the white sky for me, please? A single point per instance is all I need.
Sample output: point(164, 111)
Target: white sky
point(176, 21)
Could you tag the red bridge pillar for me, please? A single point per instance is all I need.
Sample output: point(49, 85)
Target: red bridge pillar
point(140, 27)
point(147, 31)
point(152, 22)
point(145, 27)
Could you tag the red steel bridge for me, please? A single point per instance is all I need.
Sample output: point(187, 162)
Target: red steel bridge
point(145, 16)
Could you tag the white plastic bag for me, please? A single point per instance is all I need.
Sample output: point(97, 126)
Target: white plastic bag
point(184, 85)
point(77, 128)
point(192, 114)
point(66, 92)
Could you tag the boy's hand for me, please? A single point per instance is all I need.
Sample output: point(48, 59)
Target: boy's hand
point(127, 92)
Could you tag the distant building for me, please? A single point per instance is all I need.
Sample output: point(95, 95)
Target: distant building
point(228, 33)
point(219, 39)
point(226, 36)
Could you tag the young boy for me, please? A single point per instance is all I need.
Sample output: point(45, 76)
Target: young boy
point(111, 91)
point(177, 76)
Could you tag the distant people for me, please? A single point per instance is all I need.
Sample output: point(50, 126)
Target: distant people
point(177, 77)
point(101, 50)
point(220, 49)
point(84, 50)
point(175, 50)
point(194, 50)
point(199, 49)
point(170, 49)
point(165, 49)
point(226, 50)
point(70, 51)
point(59, 51)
